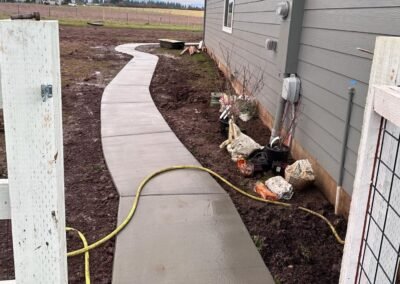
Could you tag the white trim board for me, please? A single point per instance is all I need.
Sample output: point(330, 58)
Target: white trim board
point(387, 102)
point(226, 28)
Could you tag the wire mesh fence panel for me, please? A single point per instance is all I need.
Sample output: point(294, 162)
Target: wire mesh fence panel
point(380, 248)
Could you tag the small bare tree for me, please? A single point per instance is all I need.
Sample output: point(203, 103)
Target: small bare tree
point(250, 84)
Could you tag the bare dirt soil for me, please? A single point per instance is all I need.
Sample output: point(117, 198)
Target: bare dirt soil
point(296, 247)
point(91, 198)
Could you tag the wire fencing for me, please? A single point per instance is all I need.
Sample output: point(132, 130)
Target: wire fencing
point(379, 261)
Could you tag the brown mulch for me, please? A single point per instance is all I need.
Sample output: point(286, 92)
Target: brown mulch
point(91, 198)
point(296, 247)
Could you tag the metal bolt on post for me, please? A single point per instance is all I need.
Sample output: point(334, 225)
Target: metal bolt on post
point(46, 92)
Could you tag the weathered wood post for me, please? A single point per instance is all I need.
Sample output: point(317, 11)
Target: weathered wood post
point(385, 72)
point(30, 85)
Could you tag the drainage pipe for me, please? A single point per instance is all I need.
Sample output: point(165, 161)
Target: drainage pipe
point(275, 132)
point(344, 147)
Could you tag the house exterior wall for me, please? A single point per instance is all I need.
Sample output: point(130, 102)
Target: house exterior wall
point(328, 64)
point(328, 61)
point(253, 22)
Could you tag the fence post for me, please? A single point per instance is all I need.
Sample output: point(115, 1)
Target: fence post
point(29, 58)
point(384, 71)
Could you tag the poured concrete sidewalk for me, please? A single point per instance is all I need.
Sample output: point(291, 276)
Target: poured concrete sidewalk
point(186, 229)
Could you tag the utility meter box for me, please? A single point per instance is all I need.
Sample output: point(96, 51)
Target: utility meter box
point(291, 89)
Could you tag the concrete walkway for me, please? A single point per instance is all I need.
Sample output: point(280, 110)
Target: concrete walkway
point(186, 228)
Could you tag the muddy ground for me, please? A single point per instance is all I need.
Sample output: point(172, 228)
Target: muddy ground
point(296, 247)
point(91, 198)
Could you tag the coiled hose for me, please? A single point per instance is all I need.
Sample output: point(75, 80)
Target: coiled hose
point(86, 248)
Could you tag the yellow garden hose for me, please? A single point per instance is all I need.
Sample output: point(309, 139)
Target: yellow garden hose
point(85, 244)
point(128, 218)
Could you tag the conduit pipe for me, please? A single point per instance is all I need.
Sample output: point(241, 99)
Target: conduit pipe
point(344, 147)
point(275, 132)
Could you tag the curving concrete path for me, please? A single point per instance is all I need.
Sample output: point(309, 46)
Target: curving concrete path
point(186, 228)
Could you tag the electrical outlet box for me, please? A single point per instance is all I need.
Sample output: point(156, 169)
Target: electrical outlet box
point(271, 44)
point(291, 89)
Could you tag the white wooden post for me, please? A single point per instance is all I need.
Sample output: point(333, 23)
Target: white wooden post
point(29, 58)
point(5, 210)
point(385, 71)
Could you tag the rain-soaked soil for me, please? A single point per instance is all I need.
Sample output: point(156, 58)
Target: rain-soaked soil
point(296, 247)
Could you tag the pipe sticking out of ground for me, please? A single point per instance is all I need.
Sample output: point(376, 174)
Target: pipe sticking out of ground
point(339, 187)
point(275, 132)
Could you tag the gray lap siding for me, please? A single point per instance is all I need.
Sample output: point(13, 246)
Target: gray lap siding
point(328, 63)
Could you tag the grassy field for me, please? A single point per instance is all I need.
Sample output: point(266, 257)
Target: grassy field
point(180, 12)
point(111, 24)
point(120, 17)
